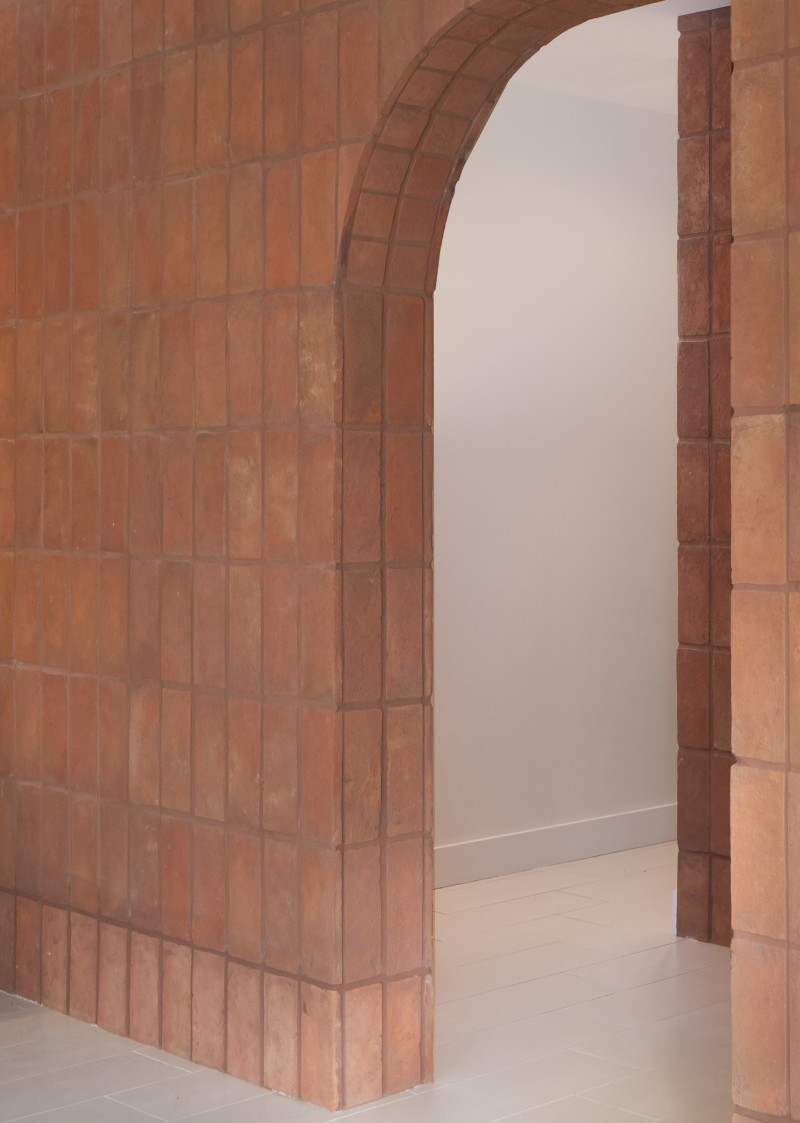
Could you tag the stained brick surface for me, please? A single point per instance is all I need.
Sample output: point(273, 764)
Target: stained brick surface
point(704, 489)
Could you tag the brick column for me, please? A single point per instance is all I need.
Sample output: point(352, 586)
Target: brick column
point(765, 388)
point(704, 585)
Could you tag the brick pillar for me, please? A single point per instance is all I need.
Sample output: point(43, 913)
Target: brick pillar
point(765, 388)
point(704, 585)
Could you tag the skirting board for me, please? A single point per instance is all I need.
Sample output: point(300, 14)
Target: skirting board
point(550, 846)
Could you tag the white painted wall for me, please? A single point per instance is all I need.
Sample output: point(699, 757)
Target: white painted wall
point(555, 571)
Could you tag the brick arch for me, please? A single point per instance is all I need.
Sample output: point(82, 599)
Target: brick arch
point(385, 280)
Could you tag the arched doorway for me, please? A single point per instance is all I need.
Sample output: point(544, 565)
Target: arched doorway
point(386, 278)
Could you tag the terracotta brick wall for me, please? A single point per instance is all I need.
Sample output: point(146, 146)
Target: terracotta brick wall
point(219, 224)
point(704, 521)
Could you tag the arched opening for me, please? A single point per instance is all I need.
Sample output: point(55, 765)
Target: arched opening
point(387, 275)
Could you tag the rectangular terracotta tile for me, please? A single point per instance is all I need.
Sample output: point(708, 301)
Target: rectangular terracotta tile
point(282, 365)
point(358, 70)
point(758, 280)
point(115, 249)
point(177, 494)
point(177, 276)
point(176, 878)
point(115, 95)
point(146, 120)
point(363, 1018)
point(55, 956)
point(83, 733)
point(758, 157)
point(244, 762)
point(211, 146)
point(281, 473)
point(320, 456)
point(212, 238)
point(281, 89)
point(245, 1052)
point(176, 727)
point(8, 855)
point(282, 224)
point(144, 628)
point(245, 495)
point(758, 634)
point(31, 153)
point(211, 403)
point(28, 493)
point(54, 728)
point(321, 914)
point(208, 999)
point(176, 616)
point(144, 495)
point(321, 765)
point(246, 234)
point(116, 31)
point(85, 494)
point(176, 367)
point(280, 769)
point(362, 594)
point(114, 861)
point(280, 895)
point(146, 247)
point(55, 845)
point(244, 628)
point(144, 743)
point(247, 97)
point(209, 504)
point(113, 616)
point(112, 985)
point(401, 1046)
point(758, 499)
point(57, 252)
point(28, 839)
point(27, 607)
point(362, 913)
point(403, 633)
point(7, 605)
point(244, 896)
point(144, 869)
point(144, 988)
point(176, 999)
point(320, 35)
point(404, 891)
point(86, 134)
point(55, 376)
point(281, 1037)
point(320, 1045)
point(245, 352)
point(83, 728)
point(28, 715)
point(114, 494)
point(179, 108)
point(320, 607)
point(28, 978)
point(209, 624)
point(7, 942)
point(209, 765)
point(83, 968)
point(317, 217)
point(144, 370)
point(83, 853)
point(758, 1027)
point(113, 739)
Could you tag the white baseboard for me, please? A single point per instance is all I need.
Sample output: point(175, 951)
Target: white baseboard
point(550, 846)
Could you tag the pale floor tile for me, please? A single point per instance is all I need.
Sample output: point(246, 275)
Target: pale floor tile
point(268, 1107)
point(654, 964)
point(90, 1111)
point(505, 913)
point(474, 946)
point(85, 1081)
point(664, 999)
point(669, 1090)
point(504, 1045)
point(511, 1004)
point(506, 970)
point(576, 1109)
point(667, 1042)
point(188, 1094)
